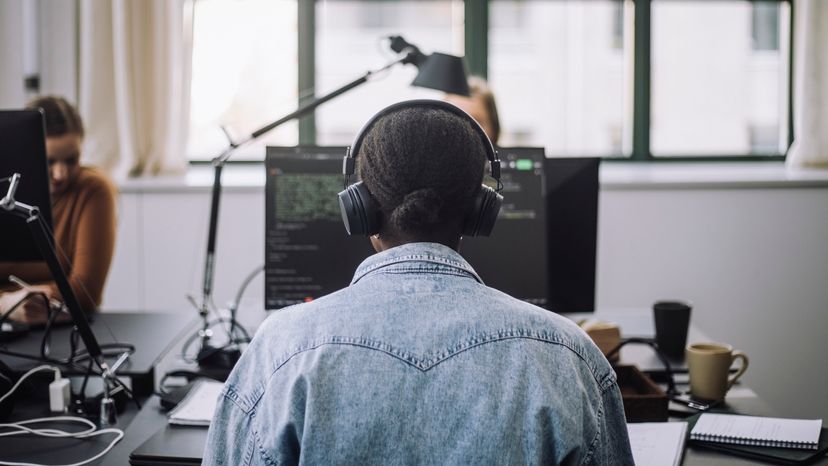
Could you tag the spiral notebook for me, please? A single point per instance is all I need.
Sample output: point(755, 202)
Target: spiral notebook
point(758, 431)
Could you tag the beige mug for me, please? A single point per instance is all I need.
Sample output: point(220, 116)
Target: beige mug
point(709, 365)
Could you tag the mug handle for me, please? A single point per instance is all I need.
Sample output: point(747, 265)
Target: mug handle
point(737, 355)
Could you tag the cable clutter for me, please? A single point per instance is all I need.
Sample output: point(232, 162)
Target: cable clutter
point(58, 403)
point(217, 361)
point(60, 399)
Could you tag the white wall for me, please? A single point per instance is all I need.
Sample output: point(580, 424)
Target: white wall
point(12, 93)
point(754, 261)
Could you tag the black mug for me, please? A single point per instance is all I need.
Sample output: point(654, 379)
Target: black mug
point(672, 319)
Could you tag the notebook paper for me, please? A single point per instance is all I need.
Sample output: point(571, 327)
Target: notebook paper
point(657, 443)
point(755, 430)
point(197, 408)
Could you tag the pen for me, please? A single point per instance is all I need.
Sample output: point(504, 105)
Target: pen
point(699, 405)
point(53, 303)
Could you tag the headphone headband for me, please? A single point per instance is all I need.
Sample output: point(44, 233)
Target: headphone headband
point(349, 162)
point(360, 214)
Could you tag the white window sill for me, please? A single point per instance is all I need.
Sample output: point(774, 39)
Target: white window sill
point(614, 176)
point(708, 175)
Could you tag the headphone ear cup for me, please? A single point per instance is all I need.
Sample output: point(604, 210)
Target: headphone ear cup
point(359, 212)
point(481, 219)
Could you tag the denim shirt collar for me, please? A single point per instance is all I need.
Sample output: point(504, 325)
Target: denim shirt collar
point(435, 253)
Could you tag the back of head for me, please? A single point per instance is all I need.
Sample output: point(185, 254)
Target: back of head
point(61, 116)
point(424, 166)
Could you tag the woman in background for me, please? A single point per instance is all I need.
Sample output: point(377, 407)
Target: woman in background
point(83, 212)
point(480, 105)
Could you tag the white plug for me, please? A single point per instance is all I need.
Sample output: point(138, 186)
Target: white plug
point(59, 394)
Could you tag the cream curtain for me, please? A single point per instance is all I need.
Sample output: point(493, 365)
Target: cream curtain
point(134, 83)
point(810, 147)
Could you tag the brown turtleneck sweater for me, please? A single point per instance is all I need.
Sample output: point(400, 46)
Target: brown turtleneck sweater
point(84, 225)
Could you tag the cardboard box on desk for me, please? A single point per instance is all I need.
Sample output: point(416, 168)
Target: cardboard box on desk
point(605, 335)
point(643, 400)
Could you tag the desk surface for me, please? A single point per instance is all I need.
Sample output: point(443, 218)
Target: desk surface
point(639, 324)
point(151, 419)
point(152, 335)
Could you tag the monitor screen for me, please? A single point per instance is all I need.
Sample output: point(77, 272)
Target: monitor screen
point(308, 253)
point(514, 258)
point(23, 151)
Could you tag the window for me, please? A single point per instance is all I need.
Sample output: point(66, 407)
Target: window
point(244, 75)
point(561, 75)
point(638, 79)
point(710, 86)
point(350, 41)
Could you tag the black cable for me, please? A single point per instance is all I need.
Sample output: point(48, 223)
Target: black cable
point(58, 252)
point(234, 307)
point(192, 338)
point(82, 394)
point(668, 371)
point(30, 357)
point(46, 342)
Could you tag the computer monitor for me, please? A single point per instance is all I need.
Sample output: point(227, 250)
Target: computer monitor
point(572, 231)
point(308, 253)
point(23, 150)
point(513, 258)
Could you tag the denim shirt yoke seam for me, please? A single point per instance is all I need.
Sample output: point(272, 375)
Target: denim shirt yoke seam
point(362, 272)
point(248, 403)
point(406, 270)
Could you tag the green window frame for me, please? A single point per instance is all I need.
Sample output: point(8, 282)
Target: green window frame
point(477, 49)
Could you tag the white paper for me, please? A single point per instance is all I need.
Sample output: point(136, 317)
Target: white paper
point(197, 408)
point(657, 443)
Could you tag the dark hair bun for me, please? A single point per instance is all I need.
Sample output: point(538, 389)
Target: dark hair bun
point(418, 209)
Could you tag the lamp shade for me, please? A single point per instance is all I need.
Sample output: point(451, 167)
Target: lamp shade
point(443, 72)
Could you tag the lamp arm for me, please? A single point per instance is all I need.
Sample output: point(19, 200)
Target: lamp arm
point(308, 107)
point(45, 245)
point(219, 161)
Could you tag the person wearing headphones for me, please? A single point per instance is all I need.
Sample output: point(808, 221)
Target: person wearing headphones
point(83, 212)
point(418, 361)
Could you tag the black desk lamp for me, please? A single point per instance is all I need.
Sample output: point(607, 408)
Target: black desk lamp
point(438, 71)
point(45, 244)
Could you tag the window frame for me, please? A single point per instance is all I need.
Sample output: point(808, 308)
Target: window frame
point(476, 34)
point(642, 75)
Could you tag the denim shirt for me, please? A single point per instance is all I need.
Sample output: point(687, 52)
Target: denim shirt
point(418, 362)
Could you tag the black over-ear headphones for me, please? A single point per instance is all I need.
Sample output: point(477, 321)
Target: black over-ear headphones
point(360, 212)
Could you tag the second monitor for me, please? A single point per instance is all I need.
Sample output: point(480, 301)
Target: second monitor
point(308, 254)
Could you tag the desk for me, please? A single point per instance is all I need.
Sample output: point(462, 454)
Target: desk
point(639, 324)
point(152, 419)
point(152, 335)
